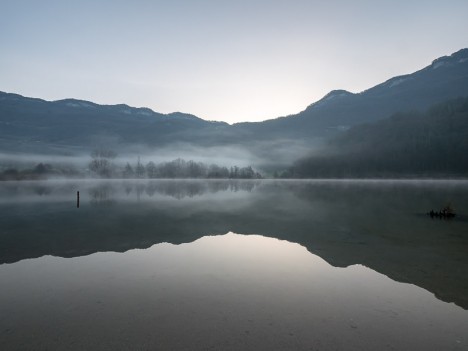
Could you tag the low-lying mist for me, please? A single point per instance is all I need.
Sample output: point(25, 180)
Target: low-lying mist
point(262, 156)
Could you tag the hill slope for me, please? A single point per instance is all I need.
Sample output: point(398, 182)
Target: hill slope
point(34, 125)
point(28, 123)
point(445, 78)
point(422, 144)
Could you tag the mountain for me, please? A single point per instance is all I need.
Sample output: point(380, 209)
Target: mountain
point(35, 125)
point(430, 143)
point(32, 124)
point(445, 78)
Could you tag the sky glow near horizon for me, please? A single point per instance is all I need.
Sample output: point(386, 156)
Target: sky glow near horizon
point(220, 60)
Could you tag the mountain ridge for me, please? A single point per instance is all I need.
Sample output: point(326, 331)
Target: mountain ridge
point(460, 56)
point(434, 83)
point(122, 108)
point(73, 123)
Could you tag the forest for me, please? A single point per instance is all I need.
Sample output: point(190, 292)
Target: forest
point(414, 144)
point(433, 143)
point(103, 164)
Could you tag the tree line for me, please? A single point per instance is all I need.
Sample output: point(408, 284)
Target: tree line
point(103, 166)
point(38, 172)
point(433, 143)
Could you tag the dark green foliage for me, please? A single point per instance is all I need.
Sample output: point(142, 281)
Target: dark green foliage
point(433, 143)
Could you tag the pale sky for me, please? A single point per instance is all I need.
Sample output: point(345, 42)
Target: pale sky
point(220, 60)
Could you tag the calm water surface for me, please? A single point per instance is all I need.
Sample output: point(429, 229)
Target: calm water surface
point(259, 265)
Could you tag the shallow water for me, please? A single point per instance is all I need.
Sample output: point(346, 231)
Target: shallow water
point(321, 265)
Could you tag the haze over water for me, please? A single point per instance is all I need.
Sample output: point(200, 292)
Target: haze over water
point(233, 265)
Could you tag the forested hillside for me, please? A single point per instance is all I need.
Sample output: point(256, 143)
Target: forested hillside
point(431, 143)
point(29, 125)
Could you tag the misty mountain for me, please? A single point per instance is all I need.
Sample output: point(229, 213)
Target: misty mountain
point(445, 78)
point(68, 126)
point(32, 124)
point(431, 143)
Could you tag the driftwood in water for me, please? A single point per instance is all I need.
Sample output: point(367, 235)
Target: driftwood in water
point(446, 212)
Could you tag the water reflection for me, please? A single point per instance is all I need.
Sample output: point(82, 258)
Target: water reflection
point(219, 292)
point(382, 225)
point(123, 190)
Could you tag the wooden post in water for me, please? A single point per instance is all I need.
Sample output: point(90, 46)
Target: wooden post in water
point(77, 199)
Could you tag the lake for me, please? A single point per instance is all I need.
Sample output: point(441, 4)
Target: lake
point(233, 265)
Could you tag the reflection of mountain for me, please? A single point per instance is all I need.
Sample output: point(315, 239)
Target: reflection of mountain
point(379, 225)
